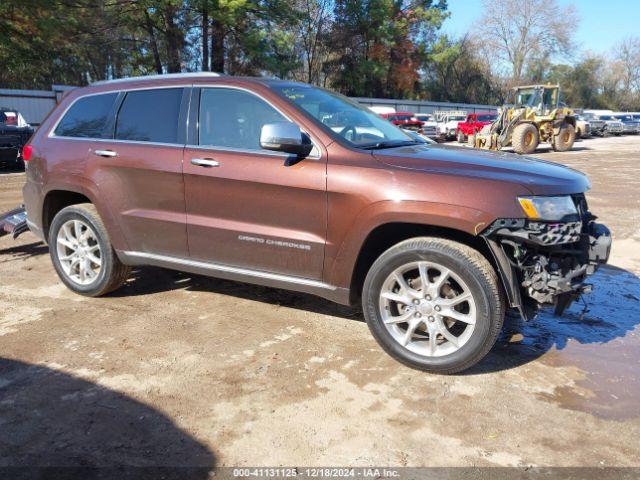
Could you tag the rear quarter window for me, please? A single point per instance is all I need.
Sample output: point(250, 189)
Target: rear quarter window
point(150, 115)
point(87, 117)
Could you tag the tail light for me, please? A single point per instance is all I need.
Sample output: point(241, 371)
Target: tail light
point(27, 150)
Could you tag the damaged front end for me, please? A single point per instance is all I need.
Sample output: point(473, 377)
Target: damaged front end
point(547, 262)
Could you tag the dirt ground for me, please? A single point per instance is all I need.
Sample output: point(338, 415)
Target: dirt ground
point(176, 369)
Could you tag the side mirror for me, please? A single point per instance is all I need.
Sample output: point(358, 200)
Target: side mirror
point(285, 137)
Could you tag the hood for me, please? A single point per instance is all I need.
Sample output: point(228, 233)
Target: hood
point(538, 176)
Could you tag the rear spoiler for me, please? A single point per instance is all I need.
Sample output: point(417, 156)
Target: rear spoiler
point(14, 222)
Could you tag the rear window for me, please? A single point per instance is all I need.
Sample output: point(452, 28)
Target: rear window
point(87, 117)
point(487, 118)
point(150, 116)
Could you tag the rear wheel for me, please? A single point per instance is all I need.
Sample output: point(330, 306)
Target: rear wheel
point(433, 304)
point(82, 254)
point(563, 141)
point(525, 138)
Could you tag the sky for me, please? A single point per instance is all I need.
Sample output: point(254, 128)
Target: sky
point(603, 23)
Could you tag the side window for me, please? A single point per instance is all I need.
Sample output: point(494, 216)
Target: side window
point(150, 115)
point(233, 118)
point(87, 117)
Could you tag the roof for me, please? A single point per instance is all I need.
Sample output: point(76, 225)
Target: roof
point(539, 85)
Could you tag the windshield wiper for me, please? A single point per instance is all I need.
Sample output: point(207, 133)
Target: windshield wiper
point(390, 144)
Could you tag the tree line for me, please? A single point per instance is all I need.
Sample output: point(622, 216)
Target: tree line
point(367, 48)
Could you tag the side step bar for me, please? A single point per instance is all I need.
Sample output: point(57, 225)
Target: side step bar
point(14, 222)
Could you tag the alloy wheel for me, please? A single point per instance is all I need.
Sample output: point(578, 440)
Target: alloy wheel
point(79, 252)
point(427, 309)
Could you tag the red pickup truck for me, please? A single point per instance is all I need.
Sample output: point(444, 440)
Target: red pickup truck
point(403, 120)
point(473, 124)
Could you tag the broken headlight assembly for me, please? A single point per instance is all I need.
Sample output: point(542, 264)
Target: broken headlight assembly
point(548, 208)
point(545, 258)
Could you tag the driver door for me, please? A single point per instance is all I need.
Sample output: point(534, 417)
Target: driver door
point(248, 207)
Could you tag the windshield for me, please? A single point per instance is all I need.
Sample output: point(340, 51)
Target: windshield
point(487, 118)
point(529, 97)
point(457, 118)
point(624, 117)
point(343, 117)
point(606, 117)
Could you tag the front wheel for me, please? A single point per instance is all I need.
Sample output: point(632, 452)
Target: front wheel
point(525, 138)
point(433, 304)
point(563, 141)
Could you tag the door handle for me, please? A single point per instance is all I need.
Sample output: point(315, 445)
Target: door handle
point(205, 162)
point(106, 153)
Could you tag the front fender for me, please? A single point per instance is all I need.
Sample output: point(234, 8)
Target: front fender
point(340, 266)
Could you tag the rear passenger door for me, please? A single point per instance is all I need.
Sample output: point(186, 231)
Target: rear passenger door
point(139, 170)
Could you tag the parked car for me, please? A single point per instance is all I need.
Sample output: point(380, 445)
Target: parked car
point(242, 179)
point(403, 120)
point(429, 125)
point(14, 134)
point(419, 136)
point(583, 127)
point(473, 124)
point(630, 125)
point(613, 125)
point(448, 123)
point(598, 127)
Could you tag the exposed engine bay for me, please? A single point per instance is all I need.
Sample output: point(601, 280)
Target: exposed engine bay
point(548, 262)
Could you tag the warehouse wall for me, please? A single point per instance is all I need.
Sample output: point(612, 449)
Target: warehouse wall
point(420, 106)
point(34, 105)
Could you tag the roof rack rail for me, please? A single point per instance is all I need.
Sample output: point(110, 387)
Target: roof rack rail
point(158, 77)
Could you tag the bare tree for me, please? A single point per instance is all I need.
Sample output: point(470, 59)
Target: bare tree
point(315, 20)
point(519, 32)
point(627, 58)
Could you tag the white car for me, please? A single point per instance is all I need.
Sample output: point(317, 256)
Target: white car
point(447, 123)
point(430, 126)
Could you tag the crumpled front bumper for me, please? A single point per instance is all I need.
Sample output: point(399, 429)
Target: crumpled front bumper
point(547, 262)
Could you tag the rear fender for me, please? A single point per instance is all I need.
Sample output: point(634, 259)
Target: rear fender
point(83, 186)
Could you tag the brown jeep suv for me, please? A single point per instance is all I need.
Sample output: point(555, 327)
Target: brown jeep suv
point(292, 186)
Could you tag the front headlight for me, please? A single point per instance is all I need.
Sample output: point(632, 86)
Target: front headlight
point(547, 208)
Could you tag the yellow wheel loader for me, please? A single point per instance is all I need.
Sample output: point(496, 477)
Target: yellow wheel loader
point(536, 116)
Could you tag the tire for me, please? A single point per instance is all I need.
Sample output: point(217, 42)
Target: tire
point(469, 272)
point(94, 244)
point(525, 138)
point(461, 137)
point(565, 138)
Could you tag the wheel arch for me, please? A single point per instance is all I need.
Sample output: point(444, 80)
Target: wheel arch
point(61, 195)
point(57, 199)
point(384, 236)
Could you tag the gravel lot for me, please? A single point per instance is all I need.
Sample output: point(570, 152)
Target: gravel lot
point(176, 369)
